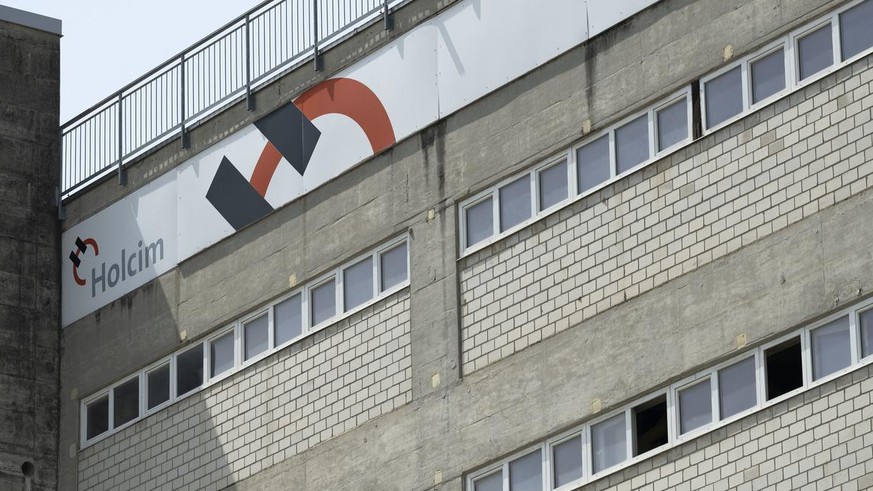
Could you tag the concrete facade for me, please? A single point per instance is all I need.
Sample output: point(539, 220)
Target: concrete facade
point(751, 231)
point(30, 292)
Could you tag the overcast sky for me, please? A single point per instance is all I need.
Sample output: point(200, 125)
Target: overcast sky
point(109, 43)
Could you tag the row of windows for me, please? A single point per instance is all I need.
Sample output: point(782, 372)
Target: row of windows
point(311, 307)
point(613, 152)
point(729, 93)
point(786, 64)
point(690, 407)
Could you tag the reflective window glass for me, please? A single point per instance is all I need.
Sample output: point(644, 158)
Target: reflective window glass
point(126, 402)
point(480, 221)
point(831, 348)
point(221, 354)
point(98, 417)
point(256, 338)
point(768, 75)
point(553, 185)
point(736, 388)
point(515, 203)
point(815, 51)
point(288, 318)
point(394, 267)
point(695, 406)
point(855, 32)
point(158, 383)
point(493, 482)
point(567, 461)
point(609, 442)
point(632, 144)
point(592, 162)
point(724, 97)
point(866, 320)
point(323, 302)
point(672, 124)
point(358, 283)
point(526, 473)
point(189, 370)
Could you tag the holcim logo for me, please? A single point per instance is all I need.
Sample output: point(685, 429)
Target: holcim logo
point(109, 275)
point(291, 134)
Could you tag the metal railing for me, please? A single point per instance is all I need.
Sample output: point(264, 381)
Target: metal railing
point(224, 66)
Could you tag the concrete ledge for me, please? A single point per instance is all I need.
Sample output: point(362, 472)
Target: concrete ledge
point(29, 19)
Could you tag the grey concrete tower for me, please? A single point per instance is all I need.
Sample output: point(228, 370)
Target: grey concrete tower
point(29, 286)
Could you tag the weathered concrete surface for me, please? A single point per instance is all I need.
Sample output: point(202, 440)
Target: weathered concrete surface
point(29, 274)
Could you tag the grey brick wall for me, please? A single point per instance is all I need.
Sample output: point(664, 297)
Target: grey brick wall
point(287, 403)
point(818, 440)
point(773, 168)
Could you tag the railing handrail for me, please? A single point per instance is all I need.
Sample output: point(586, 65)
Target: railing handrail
point(197, 82)
point(173, 59)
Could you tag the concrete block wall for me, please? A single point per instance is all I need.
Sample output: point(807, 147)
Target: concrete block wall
point(818, 440)
point(780, 165)
point(308, 393)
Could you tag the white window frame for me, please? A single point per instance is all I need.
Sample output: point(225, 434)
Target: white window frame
point(303, 319)
point(205, 379)
point(374, 280)
point(235, 336)
point(271, 336)
point(838, 49)
point(787, 67)
point(550, 451)
point(388, 246)
point(835, 48)
point(151, 368)
point(676, 415)
point(337, 301)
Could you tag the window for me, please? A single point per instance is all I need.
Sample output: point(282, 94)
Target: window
point(865, 318)
point(784, 368)
point(723, 97)
point(650, 425)
point(855, 32)
point(515, 203)
point(768, 75)
point(221, 354)
point(567, 461)
point(593, 162)
point(480, 222)
point(736, 388)
point(256, 336)
point(288, 319)
point(189, 370)
point(672, 124)
point(493, 482)
point(695, 406)
point(323, 302)
point(609, 442)
point(815, 52)
point(831, 348)
point(526, 473)
point(553, 185)
point(126, 402)
point(632, 144)
point(158, 384)
point(358, 284)
point(97, 421)
point(393, 266)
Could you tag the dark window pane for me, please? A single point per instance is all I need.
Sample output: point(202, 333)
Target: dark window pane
point(288, 316)
point(736, 388)
point(189, 370)
point(695, 406)
point(609, 442)
point(514, 203)
point(221, 354)
point(494, 482)
point(650, 425)
point(768, 75)
point(724, 97)
point(672, 124)
point(784, 368)
point(815, 52)
point(567, 461)
point(831, 348)
point(323, 302)
point(358, 283)
point(593, 163)
point(855, 32)
point(158, 386)
point(632, 144)
point(393, 267)
point(866, 319)
point(98, 417)
point(553, 185)
point(526, 473)
point(256, 334)
point(126, 402)
point(480, 222)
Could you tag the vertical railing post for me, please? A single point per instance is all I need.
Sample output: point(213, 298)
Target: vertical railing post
point(182, 101)
point(60, 187)
point(386, 15)
point(316, 56)
point(122, 178)
point(250, 101)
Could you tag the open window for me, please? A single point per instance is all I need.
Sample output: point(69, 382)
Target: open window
point(650, 425)
point(784, 368)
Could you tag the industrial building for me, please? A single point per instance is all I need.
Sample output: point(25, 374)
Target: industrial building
point(480, 245)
